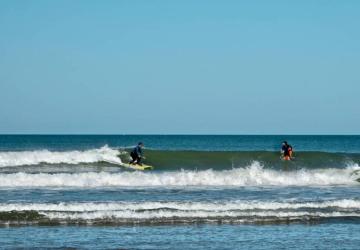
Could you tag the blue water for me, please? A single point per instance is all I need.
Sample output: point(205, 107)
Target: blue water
point(298, 236)
point(334, 143)
point(57, 191)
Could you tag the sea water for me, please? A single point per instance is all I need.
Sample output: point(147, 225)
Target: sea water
point(210, 192)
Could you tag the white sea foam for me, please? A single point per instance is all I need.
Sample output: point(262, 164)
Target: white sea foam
point(9, 159)
point(158, 210)
point(193, 214)
point(216, 206)
point(254, 175)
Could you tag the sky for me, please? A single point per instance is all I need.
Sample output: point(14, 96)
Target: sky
point(179, 67)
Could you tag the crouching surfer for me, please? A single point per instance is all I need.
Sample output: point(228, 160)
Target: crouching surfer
point(286, 151)
point(137, 154)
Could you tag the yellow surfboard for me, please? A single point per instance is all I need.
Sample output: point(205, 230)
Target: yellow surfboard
point(137, 167)
point(131, 166)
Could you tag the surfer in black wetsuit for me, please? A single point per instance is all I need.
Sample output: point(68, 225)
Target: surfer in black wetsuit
point(137, 154)
point(286, 151)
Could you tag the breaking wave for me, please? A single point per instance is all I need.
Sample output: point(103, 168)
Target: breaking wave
point(180, 212)
point(10, 159)
point(175, 160)
point(253, 175)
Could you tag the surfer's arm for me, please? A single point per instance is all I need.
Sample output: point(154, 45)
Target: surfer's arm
point(282, 151)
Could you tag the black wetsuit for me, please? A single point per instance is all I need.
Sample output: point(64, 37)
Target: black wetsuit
point(136, 155)
point(286, 149)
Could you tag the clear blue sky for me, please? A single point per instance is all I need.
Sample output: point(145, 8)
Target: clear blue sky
point(208, 67)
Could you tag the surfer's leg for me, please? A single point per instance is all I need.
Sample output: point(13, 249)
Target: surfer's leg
point(134, 158)
point(138, 161)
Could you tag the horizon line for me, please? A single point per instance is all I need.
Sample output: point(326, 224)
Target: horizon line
point(165, 134)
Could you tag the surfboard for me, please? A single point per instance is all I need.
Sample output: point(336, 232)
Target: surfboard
point(137, 167)
point(131, 166)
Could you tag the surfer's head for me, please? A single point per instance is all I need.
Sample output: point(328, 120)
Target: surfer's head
point(285, 143)
point(141, 144)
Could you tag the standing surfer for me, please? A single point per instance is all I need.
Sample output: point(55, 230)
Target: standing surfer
point(137, 154)
point(286, 151)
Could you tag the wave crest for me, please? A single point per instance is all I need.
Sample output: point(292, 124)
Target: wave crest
point(254, 175)
point(12, 159)
point(180, 212)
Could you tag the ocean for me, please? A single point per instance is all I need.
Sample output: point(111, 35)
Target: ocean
point(205, 192)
